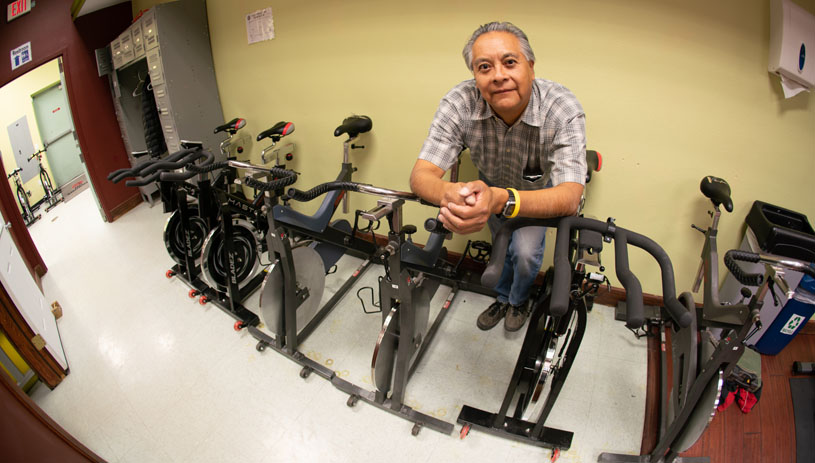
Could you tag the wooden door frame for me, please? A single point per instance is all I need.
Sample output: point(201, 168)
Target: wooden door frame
point(33, 435)
point(20, 335)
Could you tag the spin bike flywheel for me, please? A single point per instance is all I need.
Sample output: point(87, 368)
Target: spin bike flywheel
point(539, 351)
point(385, 351)
point(310, 271)
point(215, 264)
point(175, 238)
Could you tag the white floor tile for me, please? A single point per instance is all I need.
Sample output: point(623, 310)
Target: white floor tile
point(155, 376)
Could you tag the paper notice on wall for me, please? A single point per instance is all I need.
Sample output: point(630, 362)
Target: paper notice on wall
point(260, 25)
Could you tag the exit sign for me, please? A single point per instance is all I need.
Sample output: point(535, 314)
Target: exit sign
point(18, 8)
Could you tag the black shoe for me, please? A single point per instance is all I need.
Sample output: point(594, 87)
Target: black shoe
point(516, 317)
point(490, 317)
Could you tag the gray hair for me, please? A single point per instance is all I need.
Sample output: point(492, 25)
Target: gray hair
point(495, 26)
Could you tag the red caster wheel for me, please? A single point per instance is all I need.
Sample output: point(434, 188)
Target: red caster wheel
point(193, 293)
point(239, 325)
point(202, 300)
point(555, 455)
point(464, 431)
point(169, 274)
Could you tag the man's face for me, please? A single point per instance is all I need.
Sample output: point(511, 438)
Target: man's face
point(503, 74)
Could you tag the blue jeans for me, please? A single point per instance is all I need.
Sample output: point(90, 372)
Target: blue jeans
point(522, 263)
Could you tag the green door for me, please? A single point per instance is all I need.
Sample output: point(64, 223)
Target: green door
point(57, 132)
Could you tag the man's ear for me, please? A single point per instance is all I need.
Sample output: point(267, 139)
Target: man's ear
point(532, 66)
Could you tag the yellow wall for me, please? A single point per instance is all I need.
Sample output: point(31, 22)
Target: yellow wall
point(673, 91)
point(15, 102)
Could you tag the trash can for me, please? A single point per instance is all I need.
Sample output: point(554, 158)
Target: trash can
point(775, 230)
point(790, 320)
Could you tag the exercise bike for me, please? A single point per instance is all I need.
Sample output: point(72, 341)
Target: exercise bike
point(192, 161)
point(558, 302)
point(700, 359)
point(405, 295)
point(52, 196)
point(551, 341)
point(236, 241)
point(22, 198)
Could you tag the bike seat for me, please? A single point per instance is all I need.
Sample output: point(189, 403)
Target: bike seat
point(427, 256)
point(281, 129)
point(594, 162)
point(353, 126)
point(232, 126)
point(718, 191)
point(315, 223)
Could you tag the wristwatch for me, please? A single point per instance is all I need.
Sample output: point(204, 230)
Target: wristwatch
point(509, 207)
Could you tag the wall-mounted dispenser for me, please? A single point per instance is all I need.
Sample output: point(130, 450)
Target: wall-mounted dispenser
point(792, 46)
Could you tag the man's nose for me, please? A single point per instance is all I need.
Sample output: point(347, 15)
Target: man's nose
point(500, 74)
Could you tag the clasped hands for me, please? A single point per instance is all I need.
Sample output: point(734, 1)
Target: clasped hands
point(465, 207)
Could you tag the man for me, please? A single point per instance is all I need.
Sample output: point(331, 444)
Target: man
point(527, 138)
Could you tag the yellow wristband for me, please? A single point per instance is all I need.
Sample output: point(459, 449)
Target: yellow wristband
point(517, 197)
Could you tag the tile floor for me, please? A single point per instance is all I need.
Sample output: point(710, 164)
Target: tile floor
point(156, 377)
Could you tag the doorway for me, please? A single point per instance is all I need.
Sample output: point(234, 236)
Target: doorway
point(35, 113)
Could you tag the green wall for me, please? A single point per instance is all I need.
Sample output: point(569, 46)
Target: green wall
point(673, 91)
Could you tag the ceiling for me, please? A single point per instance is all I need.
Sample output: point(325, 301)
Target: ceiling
point(89, 6)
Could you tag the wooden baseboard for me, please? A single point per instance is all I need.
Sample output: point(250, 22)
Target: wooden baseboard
point(125, 207)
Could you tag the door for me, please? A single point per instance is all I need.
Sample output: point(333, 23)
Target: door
point(27, 296)
point(57, 131)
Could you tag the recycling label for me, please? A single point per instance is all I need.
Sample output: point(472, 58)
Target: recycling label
point(792, 324)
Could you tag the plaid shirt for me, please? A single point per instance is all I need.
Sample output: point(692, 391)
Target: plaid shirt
point(546, 145)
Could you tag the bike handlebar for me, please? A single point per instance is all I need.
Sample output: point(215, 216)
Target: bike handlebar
point(158, 170)
point(756, 279)
point(191, 169)
point(622, 238)
point(14, 172)
point(284, 177)
point(148, 167)
point(303, 196)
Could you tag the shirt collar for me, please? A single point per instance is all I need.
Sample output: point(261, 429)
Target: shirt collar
point(529, 116)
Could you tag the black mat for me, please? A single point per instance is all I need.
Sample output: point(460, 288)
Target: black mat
point(803, 405)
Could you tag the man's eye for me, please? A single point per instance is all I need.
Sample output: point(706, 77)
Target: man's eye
point(510, 62)
point(483, 67)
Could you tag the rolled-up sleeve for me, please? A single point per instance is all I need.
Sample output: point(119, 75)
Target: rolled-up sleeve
point(444, 140)
point(568, 159)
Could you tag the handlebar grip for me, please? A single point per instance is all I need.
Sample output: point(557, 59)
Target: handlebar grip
point(286, 180)
point(435, 226)
point(117, 173)
point(489, 279)
point(191, 169)
point(303, 196)
point(747, 279)
point(500, 242)
point(144, 180)
point(635, 313)
point(176, 176)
